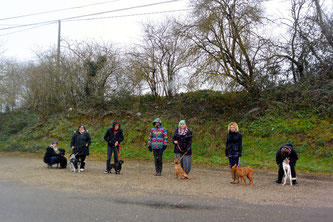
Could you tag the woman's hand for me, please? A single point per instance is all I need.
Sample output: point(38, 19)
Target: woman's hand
point(72, 147)
point(175, 142)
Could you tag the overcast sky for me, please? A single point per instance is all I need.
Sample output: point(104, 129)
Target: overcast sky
point(119, 30)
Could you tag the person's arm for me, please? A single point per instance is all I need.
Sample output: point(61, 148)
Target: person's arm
point(226, 146)
point(278, 157)
point(240, 144)
point(150, 137)
point(73, 140)
point(88, 139)
point(293, 157)
point(189, 142)
point(174, 138)
point(121, 136)
point(106, 136)
point(165, 137)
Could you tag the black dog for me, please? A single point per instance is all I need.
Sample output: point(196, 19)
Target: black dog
point(116, 166)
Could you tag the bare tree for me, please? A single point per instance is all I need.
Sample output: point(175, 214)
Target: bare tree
point(161, 58)
point(226, 33)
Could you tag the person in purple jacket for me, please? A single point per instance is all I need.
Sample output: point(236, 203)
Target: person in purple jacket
point(158, 141)
point(183, 150)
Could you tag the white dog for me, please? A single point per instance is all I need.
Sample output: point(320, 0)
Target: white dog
point(287, 171)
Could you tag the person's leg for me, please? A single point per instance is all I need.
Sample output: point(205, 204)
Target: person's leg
point(53, 159)
point(160, 156)
point(156, 157)
point(293, 174)
point(83, 161)
point(108, 159)
point(116, 154)
point(280, 174)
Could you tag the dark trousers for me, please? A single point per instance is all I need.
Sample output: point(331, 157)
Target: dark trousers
point(158, 153)
point(233, 160)
point(111, 150)
point(82, 159)
point(281, 172)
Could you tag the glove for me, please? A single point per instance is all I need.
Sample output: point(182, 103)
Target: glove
point(164, 147)
point(150, 149)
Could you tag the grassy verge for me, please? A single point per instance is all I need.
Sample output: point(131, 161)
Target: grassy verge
point(311, 135)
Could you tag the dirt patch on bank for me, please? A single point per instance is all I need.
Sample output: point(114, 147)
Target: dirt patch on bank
point(137, 178)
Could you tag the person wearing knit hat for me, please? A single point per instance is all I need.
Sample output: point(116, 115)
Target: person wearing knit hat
point(157, 143)
point(183, 141)
point(53, 155)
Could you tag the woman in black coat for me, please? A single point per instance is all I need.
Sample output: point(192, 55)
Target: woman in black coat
point(183, 142)
point(113, 136)
point(80, 143)
point(234, 147)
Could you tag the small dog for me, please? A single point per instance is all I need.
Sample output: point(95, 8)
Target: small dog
point(287, 171)
point(73, 163)
point(242, 173)
point(116, 166)
point(180, 173)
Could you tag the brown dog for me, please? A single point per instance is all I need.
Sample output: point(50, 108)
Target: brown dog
point(180, 173)
point(243, 172)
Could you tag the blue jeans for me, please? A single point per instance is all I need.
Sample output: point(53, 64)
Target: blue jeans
point(52, 160)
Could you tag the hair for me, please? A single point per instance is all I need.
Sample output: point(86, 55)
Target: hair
point(235, 125)
point(78, 129)
point(285, 151)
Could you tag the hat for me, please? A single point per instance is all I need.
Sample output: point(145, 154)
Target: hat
point(181, 122)
point(54, 142)
point(157, 120)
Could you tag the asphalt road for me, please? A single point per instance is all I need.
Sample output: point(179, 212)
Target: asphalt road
point(20, 202)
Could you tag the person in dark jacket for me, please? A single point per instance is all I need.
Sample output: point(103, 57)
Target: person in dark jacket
point(234, 147)
point(54, 155)
point(183, 141)
point(80, 143)
point(158, 141)
point(286, 150)
point(113, 136)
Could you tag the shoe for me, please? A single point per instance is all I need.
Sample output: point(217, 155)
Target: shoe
point(106, 172)
point(278, 181)
point(81, 170)
point(295, 183)
point(159, 174)
point(156, 174)
point(49, 167)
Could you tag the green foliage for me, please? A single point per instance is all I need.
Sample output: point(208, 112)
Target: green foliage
point(263, 133)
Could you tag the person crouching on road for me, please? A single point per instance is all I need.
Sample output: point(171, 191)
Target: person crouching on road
point(54, 155)
point(286, 151)
point(158, 141)
point(183, 141)
point(234, 148)
point(80, 143)
point(113, 136)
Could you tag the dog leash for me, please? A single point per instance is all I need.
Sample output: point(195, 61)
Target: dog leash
point(179, 147)
point(120, 149)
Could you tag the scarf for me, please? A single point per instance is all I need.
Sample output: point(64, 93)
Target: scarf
point(182, 133)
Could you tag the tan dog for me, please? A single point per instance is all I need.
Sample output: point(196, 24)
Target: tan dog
point(180, 173)
point(243, 172)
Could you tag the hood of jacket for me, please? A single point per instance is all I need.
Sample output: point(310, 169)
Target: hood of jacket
point(114, 124)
